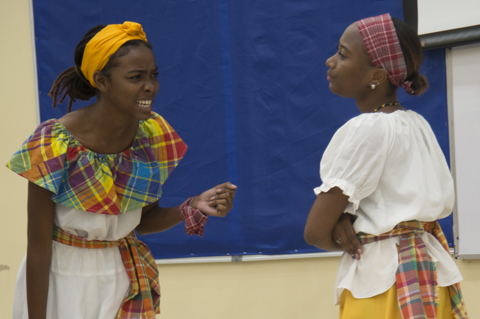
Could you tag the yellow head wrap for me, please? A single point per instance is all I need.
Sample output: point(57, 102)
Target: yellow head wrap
point(105, 43)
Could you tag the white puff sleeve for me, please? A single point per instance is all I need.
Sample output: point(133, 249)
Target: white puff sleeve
point(355, 158)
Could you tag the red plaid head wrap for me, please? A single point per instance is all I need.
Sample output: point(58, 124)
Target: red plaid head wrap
point(381, 40)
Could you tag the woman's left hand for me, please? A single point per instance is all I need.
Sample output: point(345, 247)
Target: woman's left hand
point(217, 201)
point(344, 235)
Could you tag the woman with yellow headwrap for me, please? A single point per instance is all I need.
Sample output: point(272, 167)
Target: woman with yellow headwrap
point(95, 176)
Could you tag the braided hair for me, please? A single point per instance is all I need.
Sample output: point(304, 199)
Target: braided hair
point(73, 83)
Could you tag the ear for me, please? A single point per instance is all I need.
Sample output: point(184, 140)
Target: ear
point(379, 75)
point(100, 80)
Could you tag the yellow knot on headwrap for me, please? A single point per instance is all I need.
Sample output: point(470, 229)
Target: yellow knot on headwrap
point(105, 43)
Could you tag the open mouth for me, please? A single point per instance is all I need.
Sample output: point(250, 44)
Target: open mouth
point(144, 103)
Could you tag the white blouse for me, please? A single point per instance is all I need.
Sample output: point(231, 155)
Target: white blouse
point(83, 283)
point(392, 169)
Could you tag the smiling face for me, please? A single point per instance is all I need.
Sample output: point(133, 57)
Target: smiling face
point(350, 71)
point(132, 84)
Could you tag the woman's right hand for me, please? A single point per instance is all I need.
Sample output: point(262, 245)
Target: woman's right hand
point(344, 235)
point(217, 201)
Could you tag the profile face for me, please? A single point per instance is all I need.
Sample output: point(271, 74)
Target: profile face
point(349, 73)
point(133, 83)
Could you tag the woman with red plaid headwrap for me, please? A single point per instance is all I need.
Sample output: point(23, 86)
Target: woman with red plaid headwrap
point(384, 172)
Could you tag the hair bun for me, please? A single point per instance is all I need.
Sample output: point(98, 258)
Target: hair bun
point(419, 84)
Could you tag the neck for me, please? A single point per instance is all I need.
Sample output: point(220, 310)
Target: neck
point(373, 101)
point(113, 123)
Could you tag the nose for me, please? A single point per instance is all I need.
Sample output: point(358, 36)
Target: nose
point(331, 61)
point(149, 85)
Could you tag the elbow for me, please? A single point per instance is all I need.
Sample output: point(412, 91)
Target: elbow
point(308, 237)
point(314, 238)
point(141, 230)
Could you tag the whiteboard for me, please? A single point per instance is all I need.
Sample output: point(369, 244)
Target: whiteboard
point(443, 15)
point(463, 68)
point(246, 69)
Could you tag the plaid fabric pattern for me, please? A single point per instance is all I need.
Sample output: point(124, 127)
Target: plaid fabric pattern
point(100, 183)
point(194, 219)
point(459, 310)
point(416, 275)
point(381, 40)
point(143, 299)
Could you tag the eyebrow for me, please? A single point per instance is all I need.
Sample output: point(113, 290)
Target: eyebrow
point(340, 46)
point(142, 70)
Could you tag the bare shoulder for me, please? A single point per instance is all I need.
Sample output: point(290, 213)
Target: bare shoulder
point(76, 122)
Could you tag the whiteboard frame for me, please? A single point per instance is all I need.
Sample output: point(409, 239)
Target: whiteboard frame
point(443, 39)
point(34, 57)
point(457, 236)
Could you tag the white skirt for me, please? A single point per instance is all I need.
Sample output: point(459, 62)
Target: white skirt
point(83, 283)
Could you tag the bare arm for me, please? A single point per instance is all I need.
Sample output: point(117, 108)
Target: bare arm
point(324, 215)
point(39, 250)
point(156, 219)
point(217, 201)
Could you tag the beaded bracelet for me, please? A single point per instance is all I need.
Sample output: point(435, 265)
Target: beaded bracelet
point(194, 218)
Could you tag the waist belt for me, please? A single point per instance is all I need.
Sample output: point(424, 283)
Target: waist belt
point(416, 274)
point(143, 299)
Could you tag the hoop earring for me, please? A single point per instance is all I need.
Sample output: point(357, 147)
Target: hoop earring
point(373, 86)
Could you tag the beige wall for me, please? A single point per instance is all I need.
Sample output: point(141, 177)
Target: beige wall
point(17, 119)
point(300, 288)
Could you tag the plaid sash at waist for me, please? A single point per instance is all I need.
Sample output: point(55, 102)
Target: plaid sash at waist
point(143, 300)
point(416, 274)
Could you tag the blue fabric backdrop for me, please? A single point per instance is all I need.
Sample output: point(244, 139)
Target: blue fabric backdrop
point(244, 84)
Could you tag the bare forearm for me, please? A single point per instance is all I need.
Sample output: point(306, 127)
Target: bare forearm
point(324, 243)
point(39, 250)
point(324, 214)
point(217, 201)
point(38, 270)
point(158, 219)
point(320, 237)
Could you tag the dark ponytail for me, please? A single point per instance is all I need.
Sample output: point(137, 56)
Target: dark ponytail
point(71, 82)
point(413, 54)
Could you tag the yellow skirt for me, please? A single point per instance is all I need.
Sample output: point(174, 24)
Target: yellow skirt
point(386, 305)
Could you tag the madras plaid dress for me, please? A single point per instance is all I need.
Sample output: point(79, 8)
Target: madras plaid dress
point(109, 184)
point(416, 275)
point(100, 183)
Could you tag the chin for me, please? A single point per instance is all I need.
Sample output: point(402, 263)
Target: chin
point(333, 89)
point(339, 92)
point(144, 116)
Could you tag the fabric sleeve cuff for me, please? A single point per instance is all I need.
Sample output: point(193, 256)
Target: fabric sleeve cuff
point(347, 188)
point(194, 219)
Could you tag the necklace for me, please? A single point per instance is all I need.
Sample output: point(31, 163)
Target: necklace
point(387, 104)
